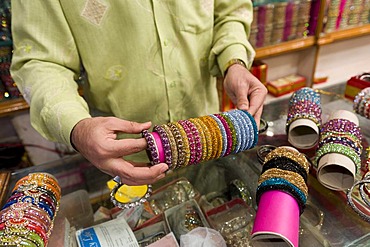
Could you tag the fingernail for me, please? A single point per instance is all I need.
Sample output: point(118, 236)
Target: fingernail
point(164, 168)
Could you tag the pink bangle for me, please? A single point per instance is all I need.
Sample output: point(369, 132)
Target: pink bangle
point(158, 142)
point(190, 137)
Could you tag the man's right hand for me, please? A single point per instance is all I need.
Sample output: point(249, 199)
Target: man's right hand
point(96, 139)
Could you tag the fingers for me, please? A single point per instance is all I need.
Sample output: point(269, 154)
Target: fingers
point(137, 174)
point(124, 147)
point(256, 100)
point(125, 126)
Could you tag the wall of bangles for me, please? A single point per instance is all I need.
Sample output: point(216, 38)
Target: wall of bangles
point(279, 21)
point(300, 179)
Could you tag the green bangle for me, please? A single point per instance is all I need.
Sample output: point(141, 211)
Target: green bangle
point(24, 233)
point(14, 240)
point(341, 149)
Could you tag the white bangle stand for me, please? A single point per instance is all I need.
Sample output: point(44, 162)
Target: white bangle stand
point(337, 171)
point(303, 133)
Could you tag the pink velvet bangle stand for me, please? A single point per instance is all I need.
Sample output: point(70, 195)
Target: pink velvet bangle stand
point(159, 145)
point(277, 220)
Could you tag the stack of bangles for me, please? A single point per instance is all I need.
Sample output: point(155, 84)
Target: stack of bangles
point(361, 103)
point(304, 104)
point(27, 217)
point(285, 169)
point(189, 142)
point(340, 136)
point(364, 189)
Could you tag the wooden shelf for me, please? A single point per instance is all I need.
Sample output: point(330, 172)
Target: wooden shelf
point(285, 47)
point(344, 34)
point(12, 106)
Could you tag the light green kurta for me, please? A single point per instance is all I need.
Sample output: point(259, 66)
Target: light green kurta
point(145, 59)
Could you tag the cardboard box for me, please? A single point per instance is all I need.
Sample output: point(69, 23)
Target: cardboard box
point(286, 85)
point(355, 85)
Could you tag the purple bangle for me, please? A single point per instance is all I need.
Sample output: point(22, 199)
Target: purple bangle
point(197, 141)
point(342, 126)
point(190, 136)
point(228, 134)
point(341, 140)
point(151, 150)
point(165, 143)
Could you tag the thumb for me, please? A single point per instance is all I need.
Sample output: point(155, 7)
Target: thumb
point(130, 127)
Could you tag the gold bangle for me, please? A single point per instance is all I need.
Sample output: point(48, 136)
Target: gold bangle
point(291, 154)
point(185, 142)
point(207, 120)
point(290, 176)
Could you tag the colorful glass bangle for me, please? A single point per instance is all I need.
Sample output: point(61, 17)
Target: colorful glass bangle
point(165, 143)
point(233, 129)
point(14, 240)
point(205, 137)
point(180, 145)
point(41, 182)
point(213, 130)
point(341, 140)
point(224, 139)
point(343, 126)
point(185, 142)
point(228, 133)
point(304, 94)
point(173, 146)
point(33, 185)
point(152, 150)
point(197, 141)
point(254, 128)
point(191, 141)
point(25, 223)
point(242, 125)
point(282, 185)
point(36, 197)
point(291, 154)
point(341, 149)
point(24, 233)
point(287, 164)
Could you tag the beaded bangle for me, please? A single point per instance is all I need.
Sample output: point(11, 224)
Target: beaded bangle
point(291, 154)
point(35, 197)
point(282, 185)
point(185, 142)
point(23, 223)
point(225, 138)
point(350, 137)
point(253, 129)
point(242, 124)
point(341, 140)
point(180, 145)
point(191, 140)
point(213, 130)
point(174, 152)
point(305, 93)
point(165, 143)
point(290, 176)
point(343, 126)
point(202, 134)
point(152, 148)
point(197, 141)
point(235, 140)
point(38, 180)
point(284, 163)
point(228, 133)
point(362, 214)
point(341, 149)
point(24, 233)
point(13, 240)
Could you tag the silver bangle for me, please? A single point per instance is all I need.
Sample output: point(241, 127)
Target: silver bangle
point(350, 201)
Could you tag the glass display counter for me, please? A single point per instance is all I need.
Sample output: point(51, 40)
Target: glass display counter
point(327, 220)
